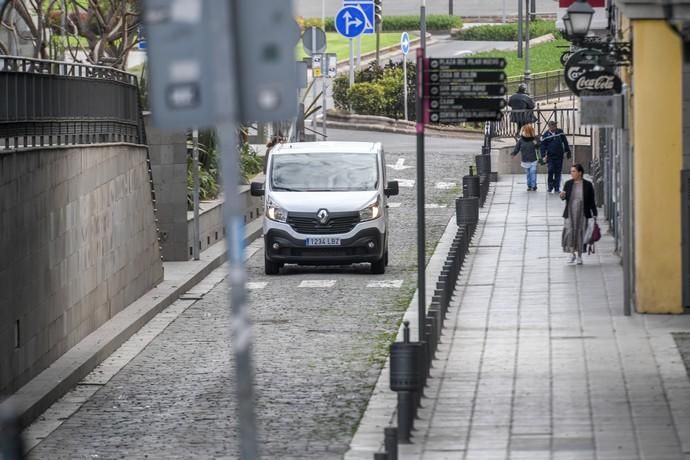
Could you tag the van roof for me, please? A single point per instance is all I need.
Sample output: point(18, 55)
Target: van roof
point(327, 147)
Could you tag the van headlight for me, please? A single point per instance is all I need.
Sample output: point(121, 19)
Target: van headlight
point(275, 212)
point(371, 211)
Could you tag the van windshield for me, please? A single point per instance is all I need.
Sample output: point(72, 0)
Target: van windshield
point(327, 172)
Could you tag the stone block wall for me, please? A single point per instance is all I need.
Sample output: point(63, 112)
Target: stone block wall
point(78, 243)
point(168, 151)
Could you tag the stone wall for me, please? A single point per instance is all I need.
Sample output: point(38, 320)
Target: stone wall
point(168, 152)
point(78, 243)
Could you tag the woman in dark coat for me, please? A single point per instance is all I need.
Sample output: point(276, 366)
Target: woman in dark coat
point(528, 147)
point(578, 194)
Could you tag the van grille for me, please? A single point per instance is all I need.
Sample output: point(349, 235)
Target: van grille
point(308, 224)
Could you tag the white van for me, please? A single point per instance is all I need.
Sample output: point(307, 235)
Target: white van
point(326, 204)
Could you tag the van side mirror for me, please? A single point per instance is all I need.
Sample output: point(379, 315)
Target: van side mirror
point(256, 189)
point(392, 188)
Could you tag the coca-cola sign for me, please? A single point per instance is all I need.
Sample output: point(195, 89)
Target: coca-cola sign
point(589, 72)
point(597, 83)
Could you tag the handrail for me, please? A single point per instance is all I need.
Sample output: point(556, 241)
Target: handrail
point(51, 103)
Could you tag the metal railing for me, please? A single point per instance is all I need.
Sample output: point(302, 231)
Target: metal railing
point(49, 103)
point(543, 86)
point(567, 118)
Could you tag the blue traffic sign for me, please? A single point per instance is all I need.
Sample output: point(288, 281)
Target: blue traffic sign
point(350, 22)
point(367, 7)
point(405, 43)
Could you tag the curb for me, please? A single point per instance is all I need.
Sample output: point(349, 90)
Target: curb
point(368, 438)
point(395, 130)
point(35, 397)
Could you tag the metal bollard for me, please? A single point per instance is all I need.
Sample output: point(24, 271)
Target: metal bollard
point(11, 444)
point(406, 380)
point(467, 213)
point(391, 442)
point(428, 338)
point(483, 165)
point(470, 186)
point(381, 456)
point(493, 177)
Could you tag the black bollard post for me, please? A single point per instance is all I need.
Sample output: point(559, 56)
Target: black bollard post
point(430, 349)
point(391, 442)
point(381, 456)
point(11, 445)
point(483, 165)
point(406, 380)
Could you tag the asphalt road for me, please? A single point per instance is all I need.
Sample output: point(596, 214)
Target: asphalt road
point(312, 8)
point(320, 339)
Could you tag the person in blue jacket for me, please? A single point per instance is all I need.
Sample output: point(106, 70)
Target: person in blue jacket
point(554, 146)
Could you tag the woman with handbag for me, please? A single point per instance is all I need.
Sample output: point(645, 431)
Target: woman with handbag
point(528, 147)
point(580, 206)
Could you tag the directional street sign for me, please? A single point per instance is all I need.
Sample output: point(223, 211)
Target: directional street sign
point(467, 76)
point(466, 63)
point(405, 43)
point(461, 116)
point(350, 22)
point(331, 65)
point(452, 103)
point(317, 65)
point(466, 89)
point(458, 90)
point(367, 7)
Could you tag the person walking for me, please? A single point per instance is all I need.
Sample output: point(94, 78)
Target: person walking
point(522, 108)
point(554, 146)
point(578, 194)
point(528, 147)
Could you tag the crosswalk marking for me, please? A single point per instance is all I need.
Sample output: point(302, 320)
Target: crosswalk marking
point(397, 284)
point(317, 284)
point(408, 183)
point(394, 205)
point(435, 206)
point(445, 185)
point(256, 285)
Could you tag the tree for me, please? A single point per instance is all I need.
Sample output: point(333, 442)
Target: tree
point(96, 31)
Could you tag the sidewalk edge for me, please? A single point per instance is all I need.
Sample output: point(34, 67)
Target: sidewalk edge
point(36, 396)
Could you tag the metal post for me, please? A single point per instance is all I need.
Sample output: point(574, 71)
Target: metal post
point(324, 107)
point(391, 442)
point(378, 43)
point(519, 24)
point(527, 71)
point(503, 9)
point(421, 230)
point(450, 7)
point(405, 85)
point(422, 20)
point(313, 86)
point(239, 324)
point(195, 193)
point(359, 51)
point(533, 9)
point(352, 65)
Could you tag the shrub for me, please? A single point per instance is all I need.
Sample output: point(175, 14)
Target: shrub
point(434, 22)
point(388, 79)
point(366, 98)
point(506, 32)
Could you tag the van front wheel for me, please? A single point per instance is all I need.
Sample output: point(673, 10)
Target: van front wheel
point(271, 268)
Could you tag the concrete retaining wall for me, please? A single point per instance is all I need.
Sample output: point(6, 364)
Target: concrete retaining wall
point(78, 243)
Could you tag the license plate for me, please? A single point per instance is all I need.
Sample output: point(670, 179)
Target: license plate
point(323, 241)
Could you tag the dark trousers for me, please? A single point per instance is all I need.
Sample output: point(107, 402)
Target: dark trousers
point(554, 168)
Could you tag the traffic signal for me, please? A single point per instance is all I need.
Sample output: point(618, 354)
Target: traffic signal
point(378, 13)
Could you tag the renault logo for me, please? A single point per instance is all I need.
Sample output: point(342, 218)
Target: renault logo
point(322, 215)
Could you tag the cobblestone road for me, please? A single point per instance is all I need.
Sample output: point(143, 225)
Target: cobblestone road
point(318, 350)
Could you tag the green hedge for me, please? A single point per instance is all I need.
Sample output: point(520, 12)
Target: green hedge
point(506, 32)
point(377, 91)
point(434, 22)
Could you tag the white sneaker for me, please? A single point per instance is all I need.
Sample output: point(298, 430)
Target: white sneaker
point(579, 260)
point(572, 259)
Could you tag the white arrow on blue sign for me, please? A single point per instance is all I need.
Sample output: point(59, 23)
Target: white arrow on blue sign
point(367, 7)
point(405, 43)
point(350, 22)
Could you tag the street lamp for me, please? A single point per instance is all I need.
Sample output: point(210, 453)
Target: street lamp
point(568, 25)
point(579, 16)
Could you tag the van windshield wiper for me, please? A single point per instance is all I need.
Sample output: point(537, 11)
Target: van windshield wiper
point(285, 189)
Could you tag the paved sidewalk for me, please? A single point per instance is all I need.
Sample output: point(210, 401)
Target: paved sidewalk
point(537, 360)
